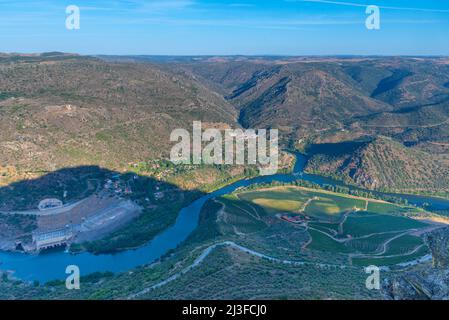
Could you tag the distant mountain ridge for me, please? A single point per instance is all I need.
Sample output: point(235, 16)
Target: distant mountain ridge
point(296, 93)
point(61, 110)
point(342, 99)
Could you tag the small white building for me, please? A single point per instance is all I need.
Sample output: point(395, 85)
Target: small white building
point(54, 238)
point(47, 204)
point(158, 195)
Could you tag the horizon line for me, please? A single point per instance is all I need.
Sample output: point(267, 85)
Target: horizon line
point(222, 55)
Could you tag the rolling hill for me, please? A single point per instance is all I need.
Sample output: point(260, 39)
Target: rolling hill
point(339, 100)
point(60, 110)
point(383, 163)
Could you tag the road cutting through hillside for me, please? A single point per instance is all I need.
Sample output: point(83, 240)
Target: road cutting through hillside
point(206, 252)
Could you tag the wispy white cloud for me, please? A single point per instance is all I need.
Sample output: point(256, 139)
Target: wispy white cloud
point(353, 4)
point(141, 6)
point(287, 24)
point(168, 4)
point(242, 5)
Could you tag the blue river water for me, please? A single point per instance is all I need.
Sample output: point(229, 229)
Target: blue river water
point(52, 265)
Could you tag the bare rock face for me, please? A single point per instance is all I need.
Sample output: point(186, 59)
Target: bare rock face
point(429, 284)
point(438, 242)
point(424, 283)
point(407, 287)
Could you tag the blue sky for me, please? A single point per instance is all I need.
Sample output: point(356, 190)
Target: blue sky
point(225, 27)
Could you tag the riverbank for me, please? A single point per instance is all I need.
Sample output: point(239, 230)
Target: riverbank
point(52, 266)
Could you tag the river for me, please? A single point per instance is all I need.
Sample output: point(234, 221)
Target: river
point(52, 265)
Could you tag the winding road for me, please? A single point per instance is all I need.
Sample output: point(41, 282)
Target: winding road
point(211, 248)
point(52, 266)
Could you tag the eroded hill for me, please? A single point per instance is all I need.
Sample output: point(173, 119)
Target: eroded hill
point(383, 164)
point(317, 101)
point(62, 110)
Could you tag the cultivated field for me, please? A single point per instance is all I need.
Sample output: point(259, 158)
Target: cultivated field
point(366, 231)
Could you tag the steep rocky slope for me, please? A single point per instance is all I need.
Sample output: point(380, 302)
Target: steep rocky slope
point(383, 163)
point(312, 94)
point(424, 282)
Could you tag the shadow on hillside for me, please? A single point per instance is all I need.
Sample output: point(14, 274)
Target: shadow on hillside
point(161, 201)
point(338, 148)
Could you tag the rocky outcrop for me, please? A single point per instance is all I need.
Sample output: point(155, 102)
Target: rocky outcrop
point(438, 242)
point(382, 163)
point(424, 282)
point(429, 284)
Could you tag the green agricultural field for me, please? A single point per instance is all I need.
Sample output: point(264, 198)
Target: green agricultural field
point(321, 242)
point(372, 237)
point(321, 205)
point(330, 208)
point(274, 201)
point(274, 206)
point(371, 244)
point(326, 227)
point(404, 245)
point(364, 224)
point(390, 260)
point(382, 207)
point(339, 224)
point(240, 217)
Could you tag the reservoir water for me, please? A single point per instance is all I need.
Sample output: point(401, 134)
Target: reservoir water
point(52, 265)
